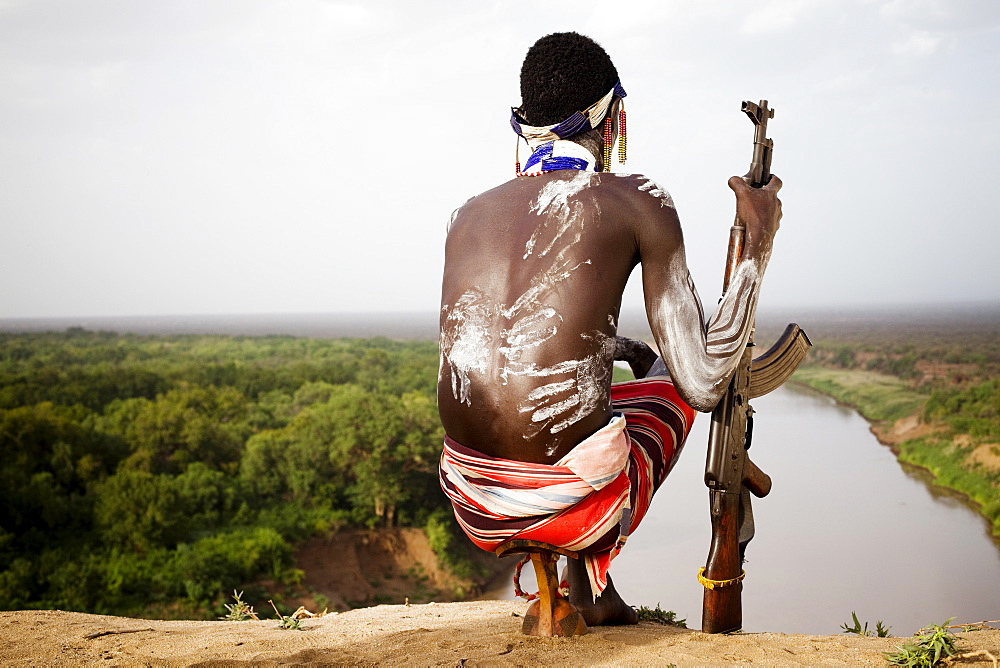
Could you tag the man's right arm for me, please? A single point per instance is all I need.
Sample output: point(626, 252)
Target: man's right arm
point(702, 359)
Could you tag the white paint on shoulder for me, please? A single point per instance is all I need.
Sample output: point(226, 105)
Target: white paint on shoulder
point(654, 189)
point(556, 201)
point(556, 193)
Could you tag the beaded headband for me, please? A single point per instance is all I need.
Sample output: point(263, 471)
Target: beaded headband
point(579, 122)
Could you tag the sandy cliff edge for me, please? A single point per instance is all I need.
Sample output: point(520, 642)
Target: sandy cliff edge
point(484, 633)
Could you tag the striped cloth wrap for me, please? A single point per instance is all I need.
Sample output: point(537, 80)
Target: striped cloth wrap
point(588, 501)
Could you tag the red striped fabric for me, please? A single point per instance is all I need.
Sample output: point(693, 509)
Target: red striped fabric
point(657, 423)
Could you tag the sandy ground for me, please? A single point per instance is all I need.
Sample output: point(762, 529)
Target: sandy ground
point(485, 633)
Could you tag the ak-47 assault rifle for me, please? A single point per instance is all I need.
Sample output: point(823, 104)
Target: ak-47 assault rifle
point(729, 473)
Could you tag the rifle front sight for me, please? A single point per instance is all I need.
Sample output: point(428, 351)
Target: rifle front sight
point(760, 167)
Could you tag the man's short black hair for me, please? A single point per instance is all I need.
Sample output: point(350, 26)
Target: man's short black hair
point(563, 73)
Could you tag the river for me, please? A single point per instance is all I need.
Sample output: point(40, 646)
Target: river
point(845, 528)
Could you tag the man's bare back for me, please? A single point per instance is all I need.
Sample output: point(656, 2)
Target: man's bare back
point(533, 279)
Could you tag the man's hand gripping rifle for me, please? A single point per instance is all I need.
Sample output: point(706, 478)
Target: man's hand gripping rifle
point(729, 473)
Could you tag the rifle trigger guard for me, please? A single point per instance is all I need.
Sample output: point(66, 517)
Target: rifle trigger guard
point(718, 584)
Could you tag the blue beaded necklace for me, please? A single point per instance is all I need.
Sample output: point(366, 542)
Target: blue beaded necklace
point(556, 155)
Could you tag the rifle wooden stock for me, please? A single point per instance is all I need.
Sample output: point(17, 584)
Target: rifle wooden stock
point(722, 606)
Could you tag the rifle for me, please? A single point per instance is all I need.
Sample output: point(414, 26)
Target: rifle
point(729, 473)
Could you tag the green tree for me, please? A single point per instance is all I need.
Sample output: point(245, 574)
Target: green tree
point(138, 510)
point(387, 443)
point(48, 457)
point(185, 425)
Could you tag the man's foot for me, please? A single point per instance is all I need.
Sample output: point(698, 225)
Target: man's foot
point(608, 610)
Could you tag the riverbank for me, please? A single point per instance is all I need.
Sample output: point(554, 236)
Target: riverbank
point(485, 633)
point(966, 463)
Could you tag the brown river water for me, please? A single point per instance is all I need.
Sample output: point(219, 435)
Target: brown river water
point(845, 528)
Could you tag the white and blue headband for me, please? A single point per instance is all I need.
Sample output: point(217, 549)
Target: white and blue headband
point(580, 121)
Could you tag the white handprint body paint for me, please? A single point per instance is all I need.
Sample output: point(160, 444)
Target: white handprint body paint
point(466, 341)
point(550, 389)
point(467, 347)
point(542, 283)
point(529, 332)
point(561, 404)
point(498, 338)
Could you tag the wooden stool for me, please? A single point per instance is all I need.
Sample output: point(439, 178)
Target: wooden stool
point(550, 615)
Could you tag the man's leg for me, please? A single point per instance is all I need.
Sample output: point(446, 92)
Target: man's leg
point(664, 417)
point(609, 609)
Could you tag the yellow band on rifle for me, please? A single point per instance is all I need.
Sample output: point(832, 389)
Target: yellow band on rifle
point(712, 584)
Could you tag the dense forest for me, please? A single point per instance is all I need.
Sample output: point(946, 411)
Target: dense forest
point(152, 474)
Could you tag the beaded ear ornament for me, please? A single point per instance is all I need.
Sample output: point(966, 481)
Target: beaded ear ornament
point(579, 122)
point(622, 141)
point(609, 138)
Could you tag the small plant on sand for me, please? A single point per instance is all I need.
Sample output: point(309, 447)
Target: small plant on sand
point(660, 616)
point(289, 623)
point(928, 647)
point(879, 632)
point(239, 611)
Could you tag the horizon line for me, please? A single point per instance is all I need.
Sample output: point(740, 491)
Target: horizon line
point(810, 308)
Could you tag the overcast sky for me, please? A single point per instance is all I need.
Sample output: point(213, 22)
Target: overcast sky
point(212, 157)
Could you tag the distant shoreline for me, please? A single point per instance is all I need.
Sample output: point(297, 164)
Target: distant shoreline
point(423, 325)
point(409, 325)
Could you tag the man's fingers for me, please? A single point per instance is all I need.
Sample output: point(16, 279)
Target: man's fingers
point(738, 183)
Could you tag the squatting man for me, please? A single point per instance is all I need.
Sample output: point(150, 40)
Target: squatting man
point(540, 444)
